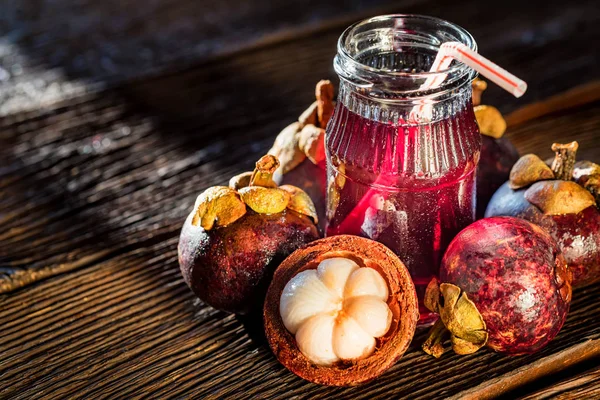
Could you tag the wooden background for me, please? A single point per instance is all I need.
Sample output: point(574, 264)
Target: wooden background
point(114, 115)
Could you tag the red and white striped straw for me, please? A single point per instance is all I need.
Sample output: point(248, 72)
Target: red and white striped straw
point(457, 51)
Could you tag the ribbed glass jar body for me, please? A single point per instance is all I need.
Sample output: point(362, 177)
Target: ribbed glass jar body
point(405, 181)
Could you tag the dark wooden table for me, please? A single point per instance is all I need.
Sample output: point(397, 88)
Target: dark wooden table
point(116, 114)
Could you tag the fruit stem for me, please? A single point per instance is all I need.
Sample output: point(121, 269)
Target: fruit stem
point(564, 160)
point(263, 173)
point(324, 95)
point(433, 345)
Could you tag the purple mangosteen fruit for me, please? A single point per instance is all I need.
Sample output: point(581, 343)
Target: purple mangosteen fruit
point(562, 199)
point(236, 236)
point(503, 284)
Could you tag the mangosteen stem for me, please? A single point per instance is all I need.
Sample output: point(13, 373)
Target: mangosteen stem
point(263, 173)
point(564, 160)
point(433, 345)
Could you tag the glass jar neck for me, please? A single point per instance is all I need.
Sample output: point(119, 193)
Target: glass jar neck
point(388, 59)
point(396, 112)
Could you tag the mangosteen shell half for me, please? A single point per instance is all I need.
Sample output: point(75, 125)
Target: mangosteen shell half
point(402, 302)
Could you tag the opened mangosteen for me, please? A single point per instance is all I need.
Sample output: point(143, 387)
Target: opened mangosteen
point(236, 236)
point(503, 284)
point(498, 154)
point(562, 199)
point(340, 311)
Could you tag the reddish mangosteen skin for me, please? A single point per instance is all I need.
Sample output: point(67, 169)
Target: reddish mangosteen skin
point(578, 235)
point(230, 267)
point(496, 160)
point(507, 268)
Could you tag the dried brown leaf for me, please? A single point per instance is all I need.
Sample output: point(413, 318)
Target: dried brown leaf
point(432, 296)
point(218, 205)
point(585, 168)
point(527, 170)
point(458, 315)
point(559, 197)
point(239, 181)
point(312, 143)
point(490, 121)
point(265, 200)
point(309, 116)
point(286, 148)
point(462, 319)
point(300, 202)
point(464, 347)
point(587, 174)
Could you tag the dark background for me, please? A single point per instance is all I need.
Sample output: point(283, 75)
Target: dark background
point(50, 49)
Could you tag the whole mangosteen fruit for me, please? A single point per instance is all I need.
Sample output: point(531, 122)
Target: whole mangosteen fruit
point(236, 236)
point(503, 284)
point(561, 199)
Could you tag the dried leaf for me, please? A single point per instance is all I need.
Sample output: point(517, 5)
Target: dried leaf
point(459, 315)
point(587, 174)
point(592, 184)
point(300, 202)
point(527, 170)
point(432, 296)
point(309, 116)
point(462, 319)
point(478, 86)
point(218, 205)
point(585, 168)
point(490, 121)
point(464, 347)
point(286, 148)
point(239, 181)
point(559, 197)
point(312, 143)
point(324, 94)
point(265, 200)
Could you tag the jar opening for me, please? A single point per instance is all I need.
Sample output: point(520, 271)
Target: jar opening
point(390, 56)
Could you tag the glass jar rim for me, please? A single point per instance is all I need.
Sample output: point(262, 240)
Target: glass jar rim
point(348, 31)
point(408, 34)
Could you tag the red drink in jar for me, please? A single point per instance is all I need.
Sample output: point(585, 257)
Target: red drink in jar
point(406, 182)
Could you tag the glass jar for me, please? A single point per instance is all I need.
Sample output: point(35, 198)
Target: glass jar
point(406, 182)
